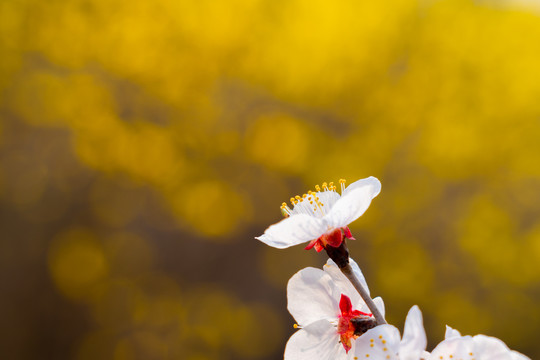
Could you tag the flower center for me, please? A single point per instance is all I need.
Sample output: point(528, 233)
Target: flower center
point(314, 203)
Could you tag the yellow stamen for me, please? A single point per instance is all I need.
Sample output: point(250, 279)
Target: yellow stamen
point(342, 183)
point(311, 196)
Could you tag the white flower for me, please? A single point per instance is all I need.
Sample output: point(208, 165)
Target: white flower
point(320, 216)
point(328, 309)
point(479, 347)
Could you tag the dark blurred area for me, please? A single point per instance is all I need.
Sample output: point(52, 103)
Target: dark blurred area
point(145, 144)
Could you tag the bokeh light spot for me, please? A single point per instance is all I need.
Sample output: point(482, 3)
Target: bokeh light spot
point(211, 207)
point(77, 262)
point(279, 141)
point(407, 264)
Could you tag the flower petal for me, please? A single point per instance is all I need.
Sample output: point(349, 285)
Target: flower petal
point(318, 340)
point(381, 342)
point(379, 303)
point(312, 296)
point(457, 347)
point(414, 339)
point(450, 333)
point(480, 347)
point(353, 203)
point(367, 182)
point(487, 347)
point(518, 356)
point(293, 230)
point(344, 284)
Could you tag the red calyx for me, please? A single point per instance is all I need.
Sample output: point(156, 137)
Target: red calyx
point(347, 233)
point(346, 328)
point(333, 238)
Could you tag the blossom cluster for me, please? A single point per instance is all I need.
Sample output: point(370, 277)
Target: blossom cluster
point(334, 317)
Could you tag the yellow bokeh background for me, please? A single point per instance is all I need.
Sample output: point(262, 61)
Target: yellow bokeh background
point(145, 144)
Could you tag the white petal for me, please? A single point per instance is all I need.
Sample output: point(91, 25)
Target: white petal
point(312, 296)
point(379, 303)
point(367, 182)
point(293, 230)
point(343, 284)
point(318, 341)
point(450, 333)
point(480, 347)
point(414, 339)
point(381, 342)
point(487, 347)
point(518, 356)
point(458, 347)
point(353, 203)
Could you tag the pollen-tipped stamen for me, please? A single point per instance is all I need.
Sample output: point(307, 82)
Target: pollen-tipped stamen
point(342, 183)
point(285, 210)
point(315, 207)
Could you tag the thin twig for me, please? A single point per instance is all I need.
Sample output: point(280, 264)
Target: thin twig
point(348, 272)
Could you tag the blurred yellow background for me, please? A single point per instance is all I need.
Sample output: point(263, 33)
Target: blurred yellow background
point(145, 143)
